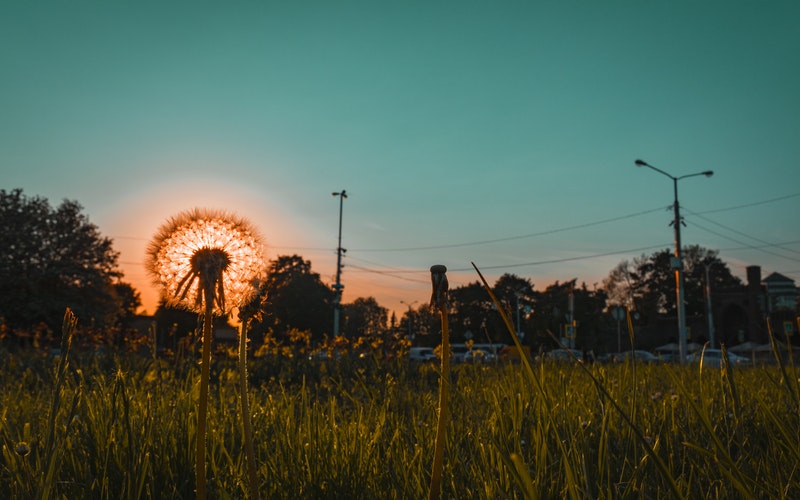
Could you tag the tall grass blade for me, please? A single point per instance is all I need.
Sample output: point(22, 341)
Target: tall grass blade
point(507, 320)
point(662, 467)
point(528, 489)
point(728, 466)
point(51, 451)
point(529, 369)
point(791, 387)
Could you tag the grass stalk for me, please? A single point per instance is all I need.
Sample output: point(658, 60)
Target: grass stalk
point(51, 461)
point(788, 382)
point(504, 315)
point(727, 465)
point(526, 481)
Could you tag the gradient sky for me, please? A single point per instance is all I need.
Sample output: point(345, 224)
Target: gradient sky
point(502, 133)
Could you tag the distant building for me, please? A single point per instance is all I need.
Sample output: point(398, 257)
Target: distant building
point(782, 306)
point(740, 314)
point(781, 293)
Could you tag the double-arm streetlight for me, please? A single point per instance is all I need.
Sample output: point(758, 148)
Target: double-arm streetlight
point(337, 288)
point(677, 260)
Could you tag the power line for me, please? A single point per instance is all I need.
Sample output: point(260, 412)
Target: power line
point(525, 264)
point(570, 259)
point(746, 205)
point(518, 237)
point(742, 234)
point(128, 238)
point(757, 247)
point(391, 274)
point(569, 228)
point(509, 238)
point(752, 247)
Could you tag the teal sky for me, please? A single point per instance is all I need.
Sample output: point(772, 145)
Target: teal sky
point(502, 133)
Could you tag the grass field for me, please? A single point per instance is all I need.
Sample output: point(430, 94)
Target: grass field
point(123, 427)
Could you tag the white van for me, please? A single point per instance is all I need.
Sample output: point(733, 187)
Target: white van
point(421, 354)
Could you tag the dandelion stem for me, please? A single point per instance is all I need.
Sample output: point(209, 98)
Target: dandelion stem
point(441, 430)
point(202, 404)
point(248, 427)
point(439, 301)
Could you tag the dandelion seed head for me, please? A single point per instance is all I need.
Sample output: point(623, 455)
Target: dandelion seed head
point(22, 448)
point(203, 252)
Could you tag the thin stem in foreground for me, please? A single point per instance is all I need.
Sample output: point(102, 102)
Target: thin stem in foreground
point(439, 301)
point(202, 404)
point(441, 429)
point(248, 427)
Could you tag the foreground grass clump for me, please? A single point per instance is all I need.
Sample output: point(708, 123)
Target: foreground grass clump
point(361, 428)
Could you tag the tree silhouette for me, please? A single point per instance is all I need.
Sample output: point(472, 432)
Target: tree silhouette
point(129, 301)
point(647, 285)
point(296, 299)
point(364, 317)
point(51, 259)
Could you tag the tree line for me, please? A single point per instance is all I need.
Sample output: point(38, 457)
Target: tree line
point(54, 257)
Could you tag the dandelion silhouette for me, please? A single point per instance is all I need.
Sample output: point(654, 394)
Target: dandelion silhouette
point(207, 262)
point(205, 258)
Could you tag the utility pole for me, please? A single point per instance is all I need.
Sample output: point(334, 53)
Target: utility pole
point(571, 317)
point(337, 287)
point(710, 313)
point(618, 313)
point(677, 265)
point(409, 320)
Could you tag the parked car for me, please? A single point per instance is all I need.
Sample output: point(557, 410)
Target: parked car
point(565, 355)
point(513, 354)
point(489, 347)
point(421, 354)
point(668, 357)
point(457, 352)
point(636, 355)
point(713, 358)
point(479, 356)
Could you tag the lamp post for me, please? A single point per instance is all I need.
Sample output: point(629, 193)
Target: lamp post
point(618, 313)
point(410, 331)
point(710, 312)
point(677, 260)
point(527, 309)
point(337, 287)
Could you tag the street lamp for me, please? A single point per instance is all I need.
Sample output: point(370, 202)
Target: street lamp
point(527, 309)
point(410, 332)
point(677, 260)
point(337, 288)
point(709, 311)
point(618, 313)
